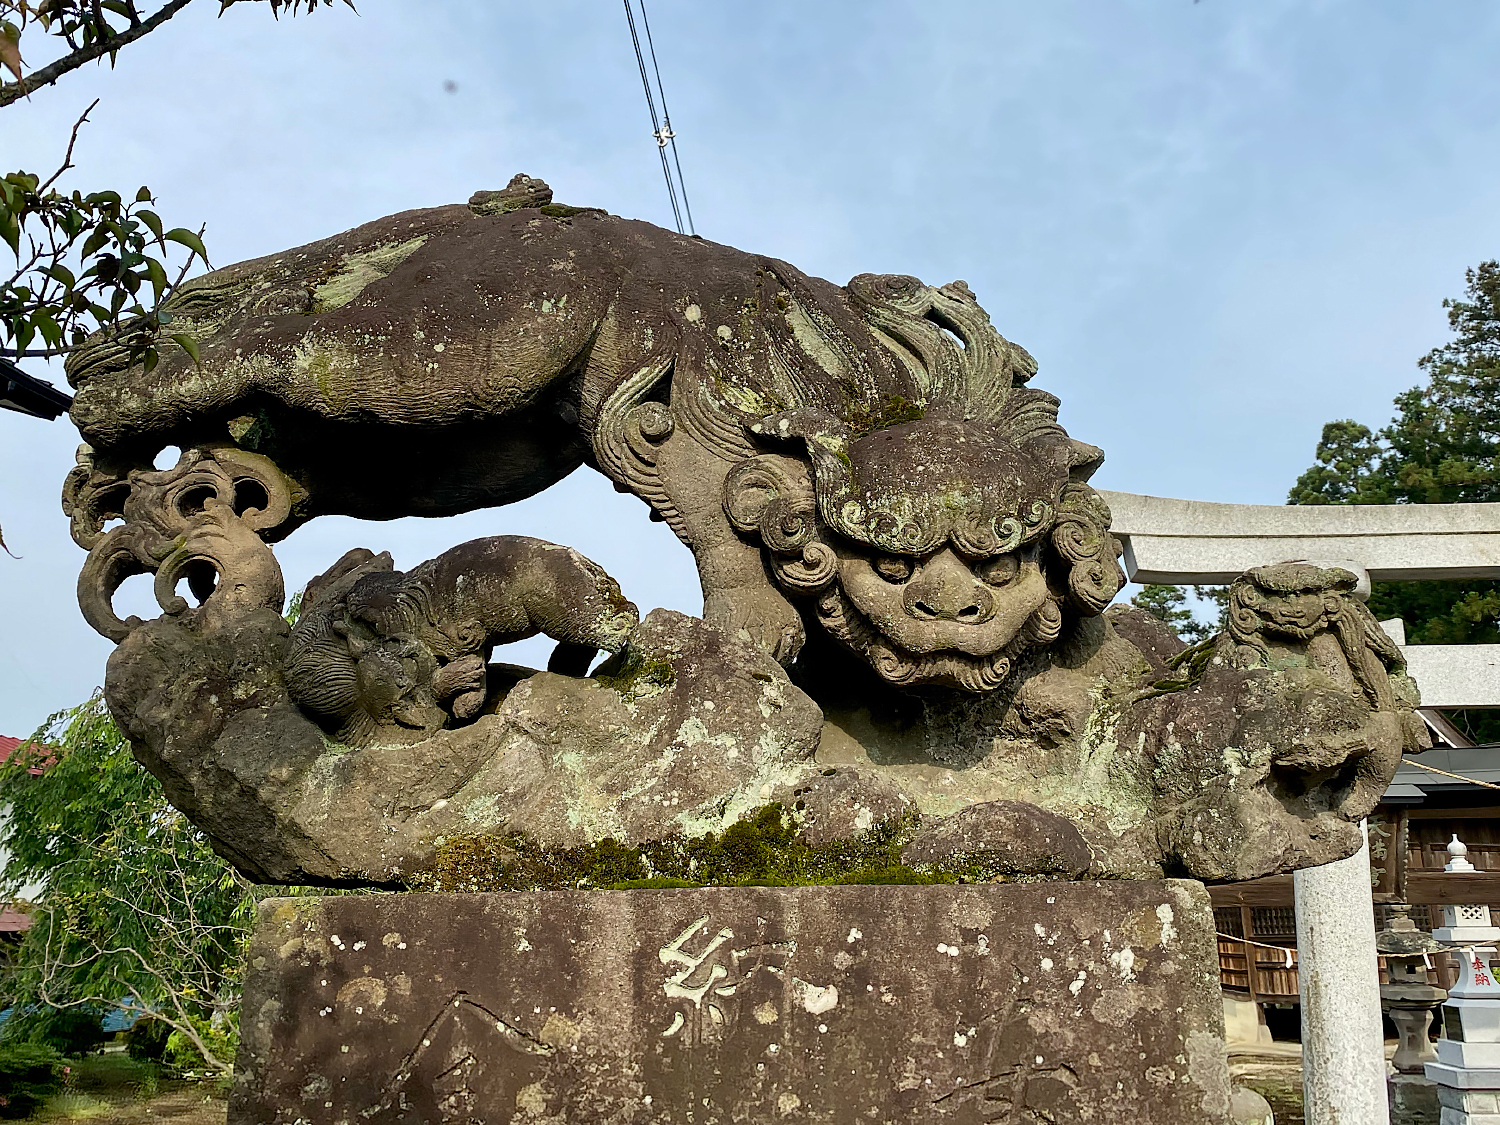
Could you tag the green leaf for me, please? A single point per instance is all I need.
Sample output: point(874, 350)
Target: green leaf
point(143, 194)
point(157, 277)
point(187, 344)
point(187, 238)
point(152, 220)
point(95, 242)
point(49, 329)
point(150, 360)
point(59, 272)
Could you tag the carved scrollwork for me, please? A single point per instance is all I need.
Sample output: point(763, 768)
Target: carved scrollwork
point(202, 520)
point(1081, 536)
point(631, 426)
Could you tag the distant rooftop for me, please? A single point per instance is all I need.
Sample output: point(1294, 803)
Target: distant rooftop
point(9, 746)
point(1415, 786)
point(30, 395)
point(13, 921)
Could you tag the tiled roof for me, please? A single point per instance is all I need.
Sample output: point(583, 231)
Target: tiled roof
point(13, 921)
point(9, 746)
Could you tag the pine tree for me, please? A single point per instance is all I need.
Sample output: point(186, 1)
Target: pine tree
point(1442, 447)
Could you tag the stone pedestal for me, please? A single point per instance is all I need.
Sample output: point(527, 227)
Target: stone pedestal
point(1414, 1100)
point(988, 1003)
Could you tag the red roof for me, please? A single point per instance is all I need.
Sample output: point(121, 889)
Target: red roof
point(9, 746)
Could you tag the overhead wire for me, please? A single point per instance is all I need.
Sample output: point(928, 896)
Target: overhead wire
point(667, 135)
point(661, 127)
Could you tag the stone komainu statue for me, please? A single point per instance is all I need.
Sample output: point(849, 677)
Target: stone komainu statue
point(864, 467)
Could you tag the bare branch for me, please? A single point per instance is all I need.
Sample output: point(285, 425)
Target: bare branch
point(103, 45)
point(67, 160)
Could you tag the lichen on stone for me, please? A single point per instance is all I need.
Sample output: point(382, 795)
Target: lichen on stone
point(356, 271)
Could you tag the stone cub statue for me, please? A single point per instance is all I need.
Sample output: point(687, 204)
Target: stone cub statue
point(378, 653)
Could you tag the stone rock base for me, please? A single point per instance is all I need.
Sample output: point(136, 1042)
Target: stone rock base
point(994, 1003)
point(1468, 1107)
point(1413, 1100)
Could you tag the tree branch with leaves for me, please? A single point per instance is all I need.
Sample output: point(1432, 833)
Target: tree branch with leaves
point(88, 30)
point(87, 261)
point(118, 277)
point(138, 913)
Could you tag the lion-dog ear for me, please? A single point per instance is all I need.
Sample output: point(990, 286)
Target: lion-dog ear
point(771, 496)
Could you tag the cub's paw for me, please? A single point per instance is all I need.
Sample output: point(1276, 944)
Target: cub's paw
point(463, 682)
point(763, 616)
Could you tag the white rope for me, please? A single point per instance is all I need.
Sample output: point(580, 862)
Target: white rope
point(1455, 776)
point(1291, 949)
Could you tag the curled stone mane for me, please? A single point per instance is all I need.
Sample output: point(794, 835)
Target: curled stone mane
point(976, 459)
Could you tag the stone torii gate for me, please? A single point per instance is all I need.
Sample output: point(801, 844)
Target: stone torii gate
point(1193, 541)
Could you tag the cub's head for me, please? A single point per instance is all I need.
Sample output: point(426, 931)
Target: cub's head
point(939, 550)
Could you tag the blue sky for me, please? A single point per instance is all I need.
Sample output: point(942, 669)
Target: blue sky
point(1216, 225)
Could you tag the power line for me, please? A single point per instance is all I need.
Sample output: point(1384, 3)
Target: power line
point(666, 117)
point(661, 128)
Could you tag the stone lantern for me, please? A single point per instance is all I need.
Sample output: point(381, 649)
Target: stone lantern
point(1409, 999)
point(1467, 1070)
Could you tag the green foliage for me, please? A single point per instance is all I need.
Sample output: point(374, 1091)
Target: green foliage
point(1442, 447)
point(1168, 604)
point(29, 1072)
point(760, 850)
point(86, 30)
point(138, 911)
point(146, 1040)
point(185, 1056)
point(84, 263)
point(73, 1032)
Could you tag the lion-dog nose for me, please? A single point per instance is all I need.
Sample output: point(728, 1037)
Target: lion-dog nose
point(943, 588)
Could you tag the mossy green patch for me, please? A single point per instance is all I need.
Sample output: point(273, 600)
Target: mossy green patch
point(634, 674)
point(893, 410)
point(1188, 666)
point(761, 850)
point(562, 210)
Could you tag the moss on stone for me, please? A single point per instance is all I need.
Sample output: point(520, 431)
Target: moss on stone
point(562, 210)
point(763, 849)
point(1188, 667)
point(634, 674)
point(893, 410)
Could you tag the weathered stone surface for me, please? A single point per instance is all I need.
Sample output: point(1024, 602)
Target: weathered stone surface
point(1050, 1002)
point(1150, 636)
point(839, 802)
point(1246, 1107)
point(876, 499)
point(684, 735)
point(1004, 839)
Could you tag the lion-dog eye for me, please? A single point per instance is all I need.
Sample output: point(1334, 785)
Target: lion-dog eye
point(1001, 569)
point(892, 568)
